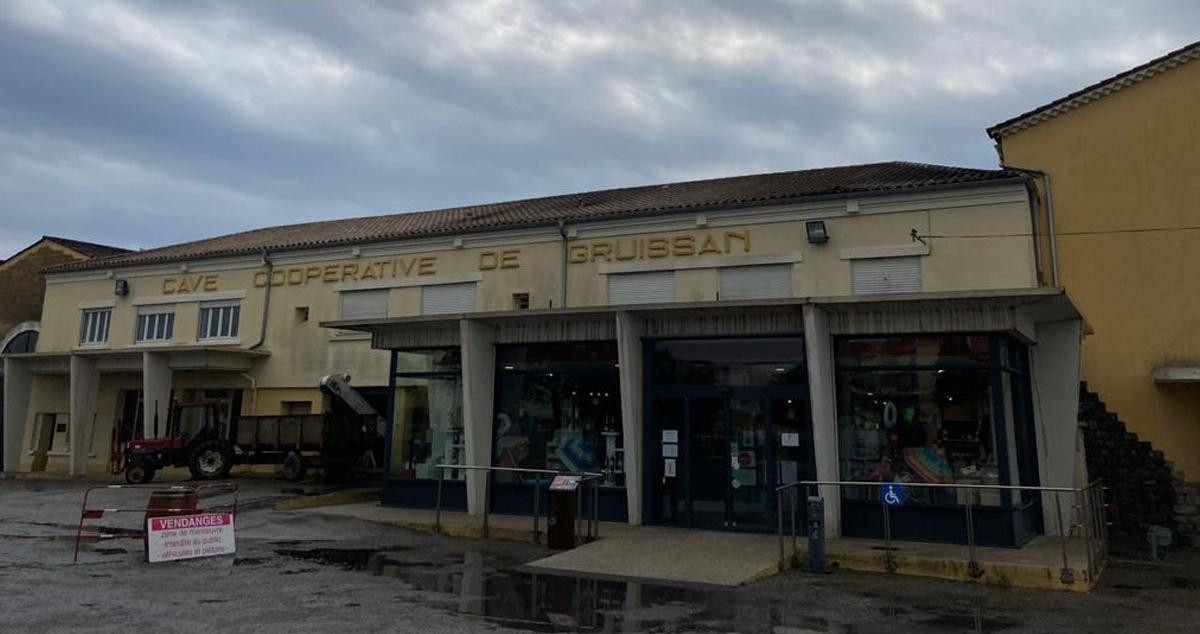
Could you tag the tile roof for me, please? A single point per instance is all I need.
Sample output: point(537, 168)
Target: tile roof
point(90, 249)
point(1098, 90)
point(736, 191)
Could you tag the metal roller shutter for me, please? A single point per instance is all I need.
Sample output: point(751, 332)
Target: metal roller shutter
point(364, 304)
point(653, 287)
point(886, 275)
point(756, 282)
point(440, 299)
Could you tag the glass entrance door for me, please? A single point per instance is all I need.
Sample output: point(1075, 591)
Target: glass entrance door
point(728, 422)
point(730, 454)
point(708, 462)
point(750, 490)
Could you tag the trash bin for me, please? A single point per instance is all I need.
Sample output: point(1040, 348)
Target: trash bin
point(560, 533)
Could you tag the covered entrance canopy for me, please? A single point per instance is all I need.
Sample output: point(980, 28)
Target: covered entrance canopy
point(741, 395)
point(83, 371)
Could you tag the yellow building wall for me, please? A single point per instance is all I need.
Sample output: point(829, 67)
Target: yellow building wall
point(49, 394)
point(1127, 205)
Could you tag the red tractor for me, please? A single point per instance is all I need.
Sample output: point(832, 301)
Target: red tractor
point(196, 438)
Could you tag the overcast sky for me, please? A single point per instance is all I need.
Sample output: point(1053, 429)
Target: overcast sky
point(140, 124)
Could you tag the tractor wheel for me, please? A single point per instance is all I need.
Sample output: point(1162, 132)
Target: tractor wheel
point(210, 460)
point(294, 467)
point(139, 474)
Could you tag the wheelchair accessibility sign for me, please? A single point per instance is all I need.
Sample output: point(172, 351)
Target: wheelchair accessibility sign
point(891, 494)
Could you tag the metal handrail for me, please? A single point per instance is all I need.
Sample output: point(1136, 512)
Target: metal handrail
point(934, 485)
point(593, 528)
point(1089, 519)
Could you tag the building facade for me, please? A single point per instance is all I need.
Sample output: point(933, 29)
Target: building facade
point(1118, 161)
point(697, 344)
point(23, 288)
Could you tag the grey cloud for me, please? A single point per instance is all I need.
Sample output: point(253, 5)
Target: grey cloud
point(144, 123)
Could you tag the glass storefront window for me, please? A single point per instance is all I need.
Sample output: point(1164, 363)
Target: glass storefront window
point(427, 420)
point(923, 409)
point(558, 407)
point(914, 351)
point(441, 360)
point(730, 362)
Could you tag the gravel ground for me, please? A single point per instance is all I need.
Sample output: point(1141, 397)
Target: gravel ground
point(305, 572)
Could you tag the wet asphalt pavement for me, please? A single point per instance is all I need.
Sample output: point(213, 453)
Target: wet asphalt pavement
point(306, 572)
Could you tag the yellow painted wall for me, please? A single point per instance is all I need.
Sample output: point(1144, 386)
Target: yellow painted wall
point(48, 395)
point(1127, 204)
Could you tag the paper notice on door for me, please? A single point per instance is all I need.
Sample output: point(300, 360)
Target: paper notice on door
point(788, 471)
point(790, 439)
point(670, 451)
point(669, 468)
point(670, 435)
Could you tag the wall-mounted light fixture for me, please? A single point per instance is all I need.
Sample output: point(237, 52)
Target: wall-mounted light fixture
point(121, 288)
point(816, 232)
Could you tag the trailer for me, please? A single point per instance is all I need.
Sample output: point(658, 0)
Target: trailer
point(341, 444)
point(346, 445)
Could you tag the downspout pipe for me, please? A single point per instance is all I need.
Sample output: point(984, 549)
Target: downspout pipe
point(253, 392)
point(1045, 178)
point(262, 332)
point(562, 231)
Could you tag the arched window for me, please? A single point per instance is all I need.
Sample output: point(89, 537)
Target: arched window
point(25, 341)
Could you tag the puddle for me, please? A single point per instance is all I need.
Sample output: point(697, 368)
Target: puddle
point(344, 558)
point(480, 586)
point(110, 551)
point(969, 623)
point(1184, 583)
point(251, 561)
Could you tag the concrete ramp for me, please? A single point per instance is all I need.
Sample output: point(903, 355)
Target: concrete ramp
point(673, 554)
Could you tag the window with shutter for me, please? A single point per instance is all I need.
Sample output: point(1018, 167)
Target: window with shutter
point(94, 326)
point(371, 304)
point(441, 299)
point(886, 275)
point(652, 287)
point(756, 282)
point(155, 323)
point(219, 320)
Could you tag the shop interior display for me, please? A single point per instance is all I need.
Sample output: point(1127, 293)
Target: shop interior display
point(924, 425)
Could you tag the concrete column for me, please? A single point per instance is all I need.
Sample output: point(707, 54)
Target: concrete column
point(633, 606)
point(1055, 361)
point(473, 592)
point(818, 345)
point(156, 392)
point(18, 382)
point(479, 387)
point(630, 330)
point(85, 385)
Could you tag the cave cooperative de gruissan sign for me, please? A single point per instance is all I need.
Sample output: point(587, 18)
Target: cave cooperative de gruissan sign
point(697, 244)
